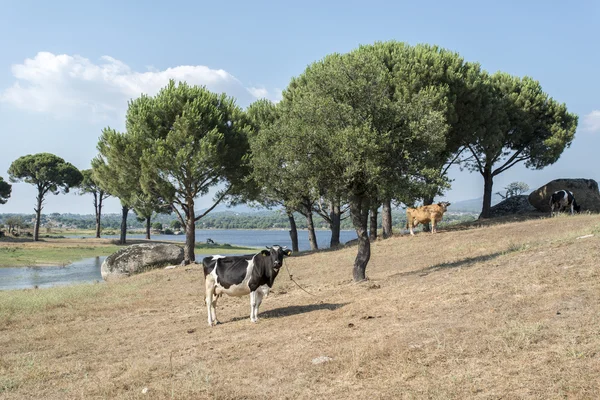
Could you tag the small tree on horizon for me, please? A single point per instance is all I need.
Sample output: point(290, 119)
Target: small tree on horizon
point(89, 185)
point(145, 206)
point(175, 224)
point(49, 174)
point(514, 189)
point(14, 222)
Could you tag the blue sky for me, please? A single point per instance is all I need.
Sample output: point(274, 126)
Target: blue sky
point(67, 68)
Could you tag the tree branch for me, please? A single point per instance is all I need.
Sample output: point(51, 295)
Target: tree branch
point(225, 193)
point(178, 214)
point(509, 161)
point(445, 170)
point(322, 212)
point(505, 166)
point(479, 163)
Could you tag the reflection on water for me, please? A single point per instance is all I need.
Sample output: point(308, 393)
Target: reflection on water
point(86, 270)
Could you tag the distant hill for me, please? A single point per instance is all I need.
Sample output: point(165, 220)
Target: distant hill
point(472, 205)
point(242, 208)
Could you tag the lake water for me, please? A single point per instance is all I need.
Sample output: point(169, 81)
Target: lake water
point(251, 237)
point(88, 270)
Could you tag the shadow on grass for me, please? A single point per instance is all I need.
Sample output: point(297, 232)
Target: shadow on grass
point(293, 310)
point(465, 262)
point(483, 222)
point(341, 246)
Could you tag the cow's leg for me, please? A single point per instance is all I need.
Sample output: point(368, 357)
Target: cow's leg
point(433, 226)
point(213, 309)
point(572, 213)
point(411, 225)
point(261, 293)
point(210, 291)
point(255, 300)
point(253, 306)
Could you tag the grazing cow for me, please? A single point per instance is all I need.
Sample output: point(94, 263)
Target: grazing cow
point(252, 274)
point(425, 214)
point(562, 200)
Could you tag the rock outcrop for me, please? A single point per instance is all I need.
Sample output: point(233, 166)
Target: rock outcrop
point(585, 192)
point(512, 205)
point(139, 258)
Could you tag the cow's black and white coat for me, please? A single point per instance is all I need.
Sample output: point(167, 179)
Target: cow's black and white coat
point(252, 274)
point(562, 200)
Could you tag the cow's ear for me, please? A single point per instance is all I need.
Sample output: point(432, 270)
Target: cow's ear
point(265, 253)
point(287, 252)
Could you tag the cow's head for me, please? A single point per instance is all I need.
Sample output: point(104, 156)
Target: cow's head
point(444, 205)
point(577, 208)
point(277, 253)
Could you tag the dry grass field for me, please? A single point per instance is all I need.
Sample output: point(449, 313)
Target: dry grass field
point(504, 311)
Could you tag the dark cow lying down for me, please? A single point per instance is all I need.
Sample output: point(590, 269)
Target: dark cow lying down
point(562, 200)
point(252, 274)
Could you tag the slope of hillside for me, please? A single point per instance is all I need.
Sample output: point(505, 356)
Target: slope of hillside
point(509, 310)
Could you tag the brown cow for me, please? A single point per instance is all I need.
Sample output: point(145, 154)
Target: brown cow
point(425, 214)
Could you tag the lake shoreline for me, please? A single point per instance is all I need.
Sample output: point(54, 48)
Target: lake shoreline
point(60, 252)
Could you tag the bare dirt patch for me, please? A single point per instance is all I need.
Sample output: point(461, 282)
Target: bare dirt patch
point(510, 310)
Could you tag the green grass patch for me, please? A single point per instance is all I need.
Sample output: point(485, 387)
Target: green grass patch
point(58, 255)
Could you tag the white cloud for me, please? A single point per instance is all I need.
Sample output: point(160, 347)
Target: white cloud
point(259, 93)
point(278, 96)
point(68, 86)
point(591, 122)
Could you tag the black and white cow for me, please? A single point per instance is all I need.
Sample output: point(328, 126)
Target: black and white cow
point(252, 274)
point(562, 200)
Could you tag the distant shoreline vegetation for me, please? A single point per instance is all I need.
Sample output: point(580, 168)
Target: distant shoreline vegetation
point(269, 219)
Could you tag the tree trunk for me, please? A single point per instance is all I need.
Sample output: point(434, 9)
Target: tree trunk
point(488, 183)
point(312, 237)
point(427, 201)
point(124, 213)
point(336, 222)
point(148, 228)
point(38, 217)
point(373, 222)
point(190, 233)
point(386, 219)
point(293, 231)
point(359, 211)
point(98, 208)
